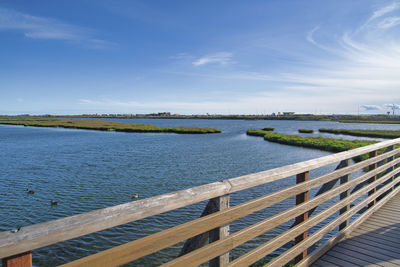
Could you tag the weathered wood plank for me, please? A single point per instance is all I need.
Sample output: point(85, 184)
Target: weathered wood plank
point(219, 247)
point(40, 235)
point(327, 264)
point(375, 222)
point(275, 243)
point(367, 237)
point(345, 179)
point(361, 253)
point(378, 242)
point(289, 254)
point(386, 216)
point(356, 261)
point(370, 168)
point(220, 233)
point(36, 236)
point(390, 210)
point(301, 198)
point(329, 185)
point(357, 255)
point(159, 240)
point(375, 249)
point(379, 230)
point(201, 239)
point(340, 261)
point(385, 220)
point(388, 219)
point(338, 237)
point(20, 260)
point(377, 235)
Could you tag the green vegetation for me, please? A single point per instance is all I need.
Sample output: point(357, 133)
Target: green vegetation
point(102, 125)
point(366, 133)
point(306, 131)
point(368, 121)
point(327, 144)
point(270, 129)
point(17, 118)
point(167, 115)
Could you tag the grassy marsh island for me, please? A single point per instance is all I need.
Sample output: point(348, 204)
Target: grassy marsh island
point(101, 125)
point(167, 115)
point(369, 121)
point(306, 131)
point(269, 129)
point(327, 144)
point(366, 133)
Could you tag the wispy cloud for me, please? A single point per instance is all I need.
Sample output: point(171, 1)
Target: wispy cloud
point(366, 63)
point(221, 58)
point(389, 22)
point(384, 10)
point(310, 34)
point(392, 106)
point(371, 107)
point(46, 28)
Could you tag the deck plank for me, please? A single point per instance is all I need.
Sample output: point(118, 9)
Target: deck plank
point(340, 261)
point(376, 242)
point(350, 259)
point(383, 245)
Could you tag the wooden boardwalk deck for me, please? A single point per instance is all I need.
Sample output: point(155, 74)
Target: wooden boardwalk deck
point(376, 242)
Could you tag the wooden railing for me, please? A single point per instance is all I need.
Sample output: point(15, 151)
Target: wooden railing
point(366, 192)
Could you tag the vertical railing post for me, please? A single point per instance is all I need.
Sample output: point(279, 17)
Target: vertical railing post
point(344, 179)
point(220, 233)
point(372, 179)
point(20, 260)
point(300, 198)
point(390, 148)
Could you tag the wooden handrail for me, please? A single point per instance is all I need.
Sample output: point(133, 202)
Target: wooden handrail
point(287, 236)
point(201, 255)
point(40, 235)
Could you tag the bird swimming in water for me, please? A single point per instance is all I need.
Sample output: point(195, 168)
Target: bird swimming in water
point(135, 196)
point(30, 192)
point(53, 203)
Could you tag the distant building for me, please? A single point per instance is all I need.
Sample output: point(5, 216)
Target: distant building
point(287, 113)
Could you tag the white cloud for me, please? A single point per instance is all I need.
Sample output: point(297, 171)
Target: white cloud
point(384, 10)
point(221, 58)
point(392, 106)
point(371, 107)
point(389, 22)
point(366, 62)
point(310, 34)
point(45, 28)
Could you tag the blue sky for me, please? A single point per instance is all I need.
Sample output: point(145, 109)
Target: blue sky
point(197, 57)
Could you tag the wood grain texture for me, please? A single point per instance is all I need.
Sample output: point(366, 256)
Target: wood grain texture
point(203, 254)
point(282, 239)
point(220, 233)
point(301, 198)
point(40, 235)
point(351, 229)
point(174, 235)
point(20, 260)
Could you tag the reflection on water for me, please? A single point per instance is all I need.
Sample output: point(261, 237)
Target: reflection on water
point(87, 170)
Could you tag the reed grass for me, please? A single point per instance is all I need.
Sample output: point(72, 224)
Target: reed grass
point(270, 129)
point(306, 131)
point(366, 133)
point(326, 144)
point(101, 125)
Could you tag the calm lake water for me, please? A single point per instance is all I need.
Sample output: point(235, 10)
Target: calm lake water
point(87, 170)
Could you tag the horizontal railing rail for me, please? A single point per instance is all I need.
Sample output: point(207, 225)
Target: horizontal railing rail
point(372, 188)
